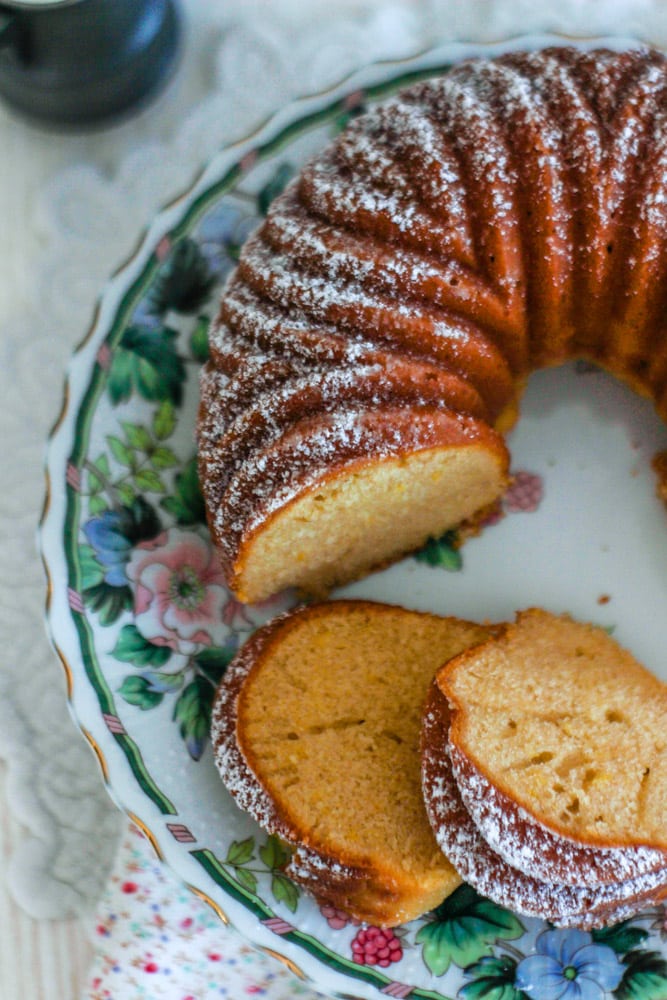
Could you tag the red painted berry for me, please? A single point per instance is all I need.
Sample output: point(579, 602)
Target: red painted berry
point(376, 946)
point(337, 919)
point(524, 493)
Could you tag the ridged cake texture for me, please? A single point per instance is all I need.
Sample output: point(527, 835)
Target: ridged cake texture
point(382, 321)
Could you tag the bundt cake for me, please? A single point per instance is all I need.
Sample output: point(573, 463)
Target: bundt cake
point(371, 346)
point(551, 738)
point(316, 729)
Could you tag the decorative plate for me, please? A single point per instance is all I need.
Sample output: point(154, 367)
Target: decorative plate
point(145, 628)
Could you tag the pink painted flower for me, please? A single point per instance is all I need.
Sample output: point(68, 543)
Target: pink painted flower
point(179, 591)
point(244, 617)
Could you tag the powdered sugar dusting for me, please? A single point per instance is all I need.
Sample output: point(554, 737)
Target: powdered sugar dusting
point(529, 846)
point(239, 779)
point(317, 446)
point(461, 224)
point(278, 406)
point(478, 864)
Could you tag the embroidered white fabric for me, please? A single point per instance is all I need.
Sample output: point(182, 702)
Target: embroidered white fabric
point(243, 61)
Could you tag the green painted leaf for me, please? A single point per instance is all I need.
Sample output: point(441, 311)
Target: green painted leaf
point(247, 879)
point(96, 505)
point(91, 572)
point(441, 552)
point(95, 484)
point(199, 339)
point(126, 494)
point(120, 451)
point(107, 601)
point(183, 281)
point(119, 381)
point(462, 930)
point(274, 854)
point(274, 186)
point(645, 977)
point(240, 852)
point(148, 481)
point(137, 691)
point(233, 250)
point(132, 647)
point(151, 365)
point(164, 458)
point(192, 711)
point(143, 522)
point(164, 421)
point(102, 465)
point(214, 661)
point(285, 891)
point(620, 937)
point(492, 977)
point(137, 436)
point(186, 503)
point(163, 682)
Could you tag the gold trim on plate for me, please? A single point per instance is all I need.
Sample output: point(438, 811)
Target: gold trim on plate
point(287, 962)
point(148, 834)
point(97, 750)
point(217, 909)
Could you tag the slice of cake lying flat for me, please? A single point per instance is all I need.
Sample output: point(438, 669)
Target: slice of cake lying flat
point(316, 734)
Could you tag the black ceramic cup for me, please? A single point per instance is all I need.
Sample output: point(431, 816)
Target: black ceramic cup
point(79, 62)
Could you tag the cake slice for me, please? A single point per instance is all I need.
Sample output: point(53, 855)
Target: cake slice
point(319, 507)
point(564, 905)
point(278, 407)
point(316, 734)
point(558, 743)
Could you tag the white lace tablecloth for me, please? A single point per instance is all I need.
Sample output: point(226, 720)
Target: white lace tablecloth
point(241, 62)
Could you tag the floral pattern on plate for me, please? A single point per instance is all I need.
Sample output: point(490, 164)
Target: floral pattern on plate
point(146, 627)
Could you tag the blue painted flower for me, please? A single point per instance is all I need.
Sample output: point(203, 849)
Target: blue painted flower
point(112, 549)
point(568, 966)
point(221, 234)
point(113, 534)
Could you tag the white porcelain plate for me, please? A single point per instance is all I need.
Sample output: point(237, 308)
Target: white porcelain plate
point(144, 626)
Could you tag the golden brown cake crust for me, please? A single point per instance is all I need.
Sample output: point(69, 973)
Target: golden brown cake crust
point(322, 450)
point(534, 849)
point(329, 878)
point(584, 907)
point(502, 218)
point(540, 717)
point(365, 881)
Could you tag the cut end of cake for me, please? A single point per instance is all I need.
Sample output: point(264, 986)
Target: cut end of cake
point(354, 520)
point(566, 723)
